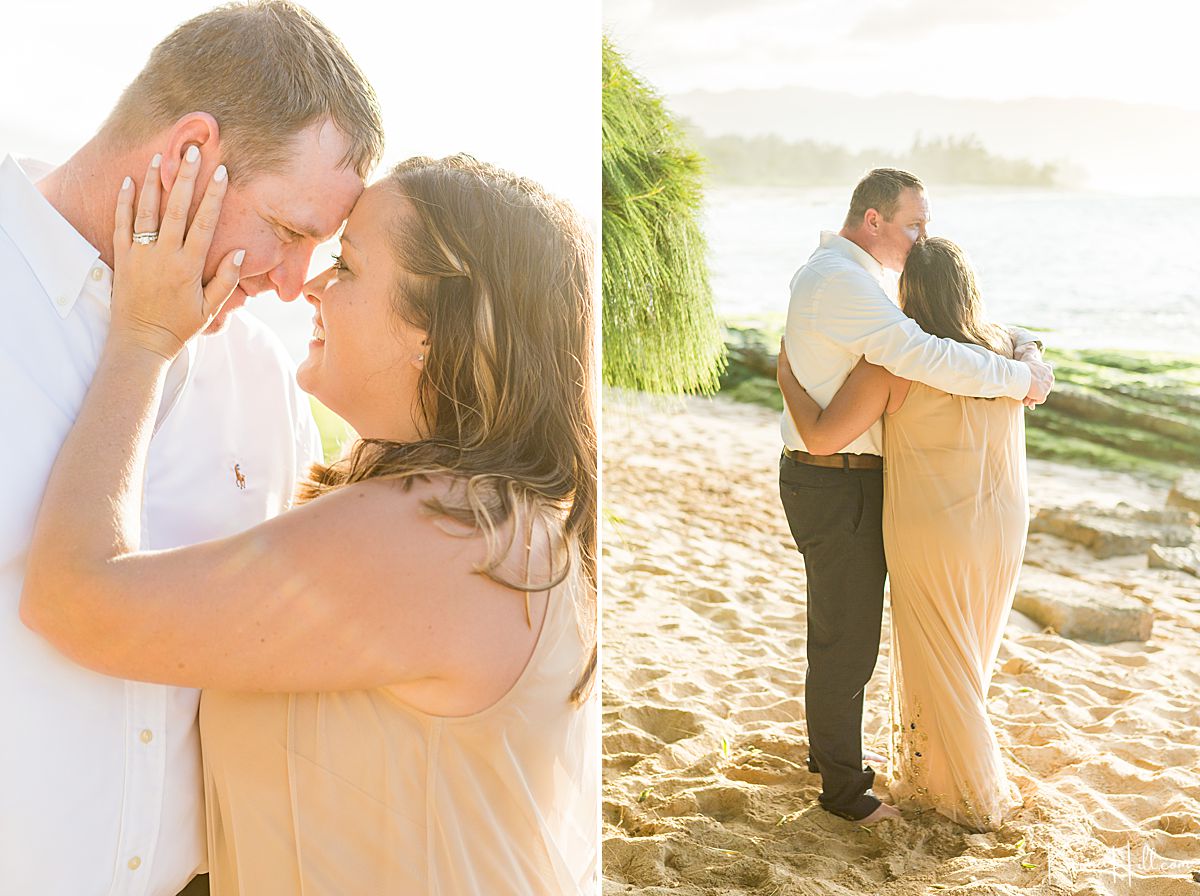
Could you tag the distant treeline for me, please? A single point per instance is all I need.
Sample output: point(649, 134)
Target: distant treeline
point(773, 161)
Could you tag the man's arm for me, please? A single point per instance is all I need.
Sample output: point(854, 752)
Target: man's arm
point(1025, 344)
point(856, 313)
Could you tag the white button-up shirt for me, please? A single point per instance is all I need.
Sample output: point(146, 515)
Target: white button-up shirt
point(840, 312)
point(100, 787)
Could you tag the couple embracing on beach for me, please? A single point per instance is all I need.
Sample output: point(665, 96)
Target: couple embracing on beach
point(385, 685)
point(904, 460)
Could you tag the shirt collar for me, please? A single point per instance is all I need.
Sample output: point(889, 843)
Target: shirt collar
point(60, 258)
point(842, 246)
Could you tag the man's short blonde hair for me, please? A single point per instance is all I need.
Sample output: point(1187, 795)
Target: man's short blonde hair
point(880, 189)
point(265, 70)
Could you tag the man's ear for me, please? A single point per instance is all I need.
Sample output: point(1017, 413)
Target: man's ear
point(197, 128)
point(871, 220)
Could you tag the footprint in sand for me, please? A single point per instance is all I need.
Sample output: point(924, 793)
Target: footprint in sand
point(1041, 735)
point(670, 691)
point(707, 596)
point(623, 738)
point(728, 619)
point(723, 802)
point(641, 862)
point(751, 697)
point(645, 670)
point(788, 709)
point(665, 723)
point(1044, 760)
point(755, 766)
point(715, 605)
point(792, 750)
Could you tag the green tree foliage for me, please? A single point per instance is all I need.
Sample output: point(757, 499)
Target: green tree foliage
point(773, 161)
point(660, 329)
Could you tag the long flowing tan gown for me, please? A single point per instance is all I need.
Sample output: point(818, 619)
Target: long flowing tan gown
point(955, 517)
point(355, 792)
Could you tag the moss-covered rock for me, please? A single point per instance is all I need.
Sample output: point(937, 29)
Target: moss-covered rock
point(1127, 411)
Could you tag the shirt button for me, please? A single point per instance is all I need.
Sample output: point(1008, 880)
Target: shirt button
point(97, 273)
point(135, 863)
point(147, 735)
point(61, 301)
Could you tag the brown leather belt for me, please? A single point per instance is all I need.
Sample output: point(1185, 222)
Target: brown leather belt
point(837, 461)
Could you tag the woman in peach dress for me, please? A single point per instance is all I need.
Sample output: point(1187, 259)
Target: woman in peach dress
point(397, 673)
point(955, 518)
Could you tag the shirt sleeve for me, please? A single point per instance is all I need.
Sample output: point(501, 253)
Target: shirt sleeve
point(855, 312)
point(178, 375)
point(1021, 338)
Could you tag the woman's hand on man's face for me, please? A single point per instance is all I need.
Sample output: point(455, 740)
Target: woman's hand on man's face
point(159, 301)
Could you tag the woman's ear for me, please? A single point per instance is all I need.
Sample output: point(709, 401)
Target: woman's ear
point(199, 129)
point(419, 357)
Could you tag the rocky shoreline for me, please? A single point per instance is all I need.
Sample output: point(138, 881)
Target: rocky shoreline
point(1124, 411)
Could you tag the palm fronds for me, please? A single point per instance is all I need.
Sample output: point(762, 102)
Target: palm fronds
point(660, 329)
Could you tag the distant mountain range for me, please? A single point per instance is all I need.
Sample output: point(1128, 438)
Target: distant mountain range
point(1099, 144)
point(772, 161)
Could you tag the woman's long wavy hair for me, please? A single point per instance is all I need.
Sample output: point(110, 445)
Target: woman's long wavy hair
point(938, 291)
point(499, 274)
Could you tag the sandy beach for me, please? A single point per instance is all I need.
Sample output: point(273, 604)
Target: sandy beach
point(706, 789)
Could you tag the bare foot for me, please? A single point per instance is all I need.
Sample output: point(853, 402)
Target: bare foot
point(875, 758)
point(883, 813)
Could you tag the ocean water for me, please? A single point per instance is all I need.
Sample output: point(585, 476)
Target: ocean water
point(1088, 270)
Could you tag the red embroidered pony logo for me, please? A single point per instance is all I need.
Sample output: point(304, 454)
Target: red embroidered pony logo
point(241, 480)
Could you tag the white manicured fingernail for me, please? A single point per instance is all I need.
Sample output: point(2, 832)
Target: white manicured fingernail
point(157, 160)
point(239, 256)
point(126, 184)
point(219, 174)
point(192, 153)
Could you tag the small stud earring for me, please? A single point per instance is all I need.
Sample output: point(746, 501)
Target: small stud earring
point(420, 357)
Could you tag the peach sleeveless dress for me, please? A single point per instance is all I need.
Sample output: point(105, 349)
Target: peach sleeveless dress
point(355, 792)
point(955, 517)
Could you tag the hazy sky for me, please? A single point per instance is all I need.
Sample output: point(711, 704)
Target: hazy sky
point(515, 83)
point(1140, 52)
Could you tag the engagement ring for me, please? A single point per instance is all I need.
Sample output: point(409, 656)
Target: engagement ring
point(145, 238)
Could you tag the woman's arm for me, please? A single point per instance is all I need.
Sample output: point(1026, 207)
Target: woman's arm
point(860, 401)
point(356, 589)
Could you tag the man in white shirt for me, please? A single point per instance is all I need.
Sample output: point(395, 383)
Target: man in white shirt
point(840, 312)
point(101, 777)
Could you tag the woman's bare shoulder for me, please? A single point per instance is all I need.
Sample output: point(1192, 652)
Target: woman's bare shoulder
point(426, 523)
point(384, 526)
